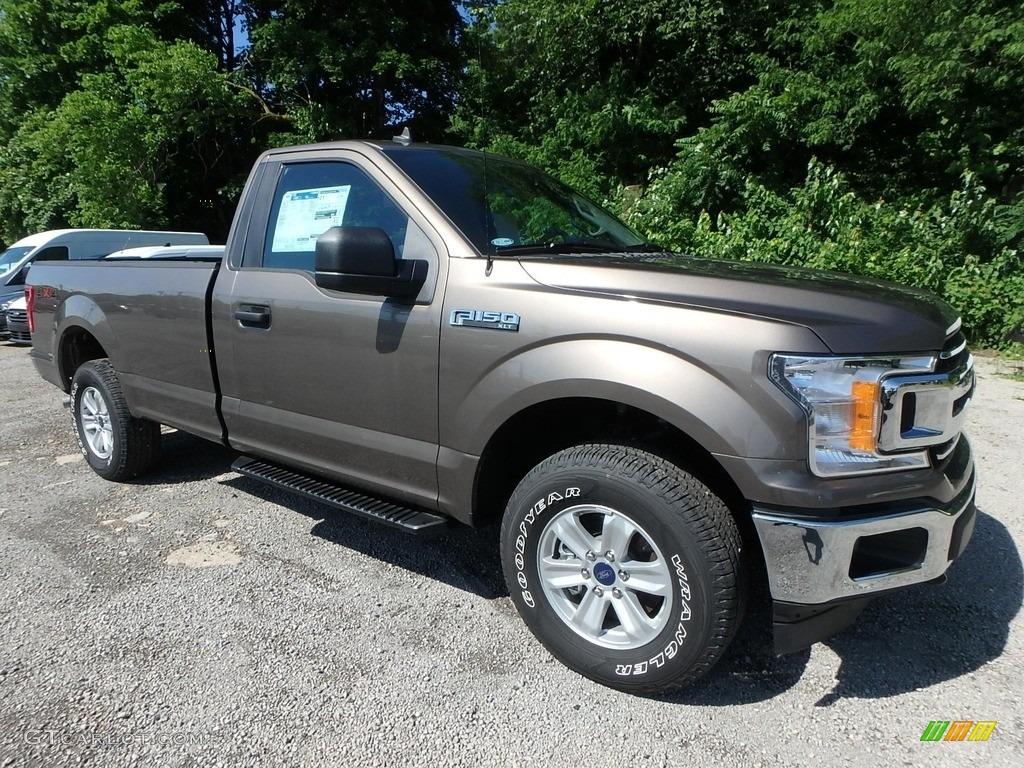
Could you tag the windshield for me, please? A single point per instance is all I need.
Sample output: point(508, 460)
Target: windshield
point(503, 206)
point(12, 256)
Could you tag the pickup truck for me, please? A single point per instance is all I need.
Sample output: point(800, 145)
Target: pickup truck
point(424, 334)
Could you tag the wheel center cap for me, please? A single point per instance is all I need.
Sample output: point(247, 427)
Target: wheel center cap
point(604, 574)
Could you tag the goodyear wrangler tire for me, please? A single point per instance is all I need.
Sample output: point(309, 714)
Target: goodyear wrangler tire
point(624, 566)
point(117, 445)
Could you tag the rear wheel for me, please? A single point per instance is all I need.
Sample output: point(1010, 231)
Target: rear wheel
point(624, 566)
point(117, 445)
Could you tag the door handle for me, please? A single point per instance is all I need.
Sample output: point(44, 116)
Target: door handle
point(253, 315)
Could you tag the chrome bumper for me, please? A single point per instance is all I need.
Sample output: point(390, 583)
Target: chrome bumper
point(815, 561)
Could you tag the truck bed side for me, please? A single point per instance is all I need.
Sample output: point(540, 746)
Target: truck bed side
point(151, 318)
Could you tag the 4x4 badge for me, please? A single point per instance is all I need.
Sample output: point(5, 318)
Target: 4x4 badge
point(479, 318)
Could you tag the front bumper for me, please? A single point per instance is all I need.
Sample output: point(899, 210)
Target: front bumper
point(17, 328)
point(821, 570)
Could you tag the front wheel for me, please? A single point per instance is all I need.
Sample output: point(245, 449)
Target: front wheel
point(117, 445)
point(624, 566)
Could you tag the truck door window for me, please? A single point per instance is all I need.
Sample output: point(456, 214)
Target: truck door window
point(313, 197)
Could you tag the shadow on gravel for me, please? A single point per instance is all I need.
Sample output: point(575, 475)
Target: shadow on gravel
point(185, 457)
point(931, 634)
point(902, 642)
point(462, 557)
point(750, 671)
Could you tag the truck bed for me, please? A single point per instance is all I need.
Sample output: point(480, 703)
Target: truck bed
point(152, 318)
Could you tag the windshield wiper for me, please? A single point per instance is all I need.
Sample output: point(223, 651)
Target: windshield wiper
point(645, 248)
point(553, 247)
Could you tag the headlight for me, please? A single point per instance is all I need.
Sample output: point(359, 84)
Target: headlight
point(843, 398)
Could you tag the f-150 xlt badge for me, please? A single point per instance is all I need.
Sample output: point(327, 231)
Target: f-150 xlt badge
point(479, 318)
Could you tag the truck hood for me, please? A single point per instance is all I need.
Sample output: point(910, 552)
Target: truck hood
point(851, 314)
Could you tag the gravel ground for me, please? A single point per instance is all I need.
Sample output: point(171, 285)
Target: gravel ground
point(198, 618)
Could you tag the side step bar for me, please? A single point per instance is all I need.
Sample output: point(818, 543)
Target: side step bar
point(389, 513)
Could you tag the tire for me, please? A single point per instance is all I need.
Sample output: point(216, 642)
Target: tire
point(117, 445)
point(624, 566)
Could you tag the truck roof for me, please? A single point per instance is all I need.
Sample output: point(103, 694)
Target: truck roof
point(375, 144)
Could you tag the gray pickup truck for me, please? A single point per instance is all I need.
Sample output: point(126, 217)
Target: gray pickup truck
point(421, 334)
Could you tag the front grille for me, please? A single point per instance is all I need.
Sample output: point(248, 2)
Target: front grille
point(17, 315)
point(954, 349)
point(928, 410)
point(22, 336)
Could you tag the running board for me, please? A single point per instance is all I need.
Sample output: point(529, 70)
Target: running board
point(389, 513)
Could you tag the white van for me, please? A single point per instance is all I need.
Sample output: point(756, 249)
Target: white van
point(64, 244)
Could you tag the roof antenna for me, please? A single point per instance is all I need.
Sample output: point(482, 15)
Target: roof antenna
point(404, 138)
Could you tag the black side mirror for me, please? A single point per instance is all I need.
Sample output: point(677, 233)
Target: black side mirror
point(362, 260)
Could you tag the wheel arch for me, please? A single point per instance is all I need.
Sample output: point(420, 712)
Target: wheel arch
point(77, 345)
point(82, 333)
point(526, 439)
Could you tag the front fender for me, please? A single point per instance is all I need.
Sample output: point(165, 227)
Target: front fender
point(729, 409)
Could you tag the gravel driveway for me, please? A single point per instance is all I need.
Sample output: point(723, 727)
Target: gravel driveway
point(198, 618)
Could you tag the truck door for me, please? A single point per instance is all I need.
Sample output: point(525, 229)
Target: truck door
point(341, 384)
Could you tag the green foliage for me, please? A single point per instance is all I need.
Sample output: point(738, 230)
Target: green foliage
point(597, 91)
point(110, 117)
point(902, 96)
point(881, 138)
point(103, 156)
point(144, 113)
point(347, 72)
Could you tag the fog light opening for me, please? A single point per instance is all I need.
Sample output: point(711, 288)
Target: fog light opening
point(885, 553)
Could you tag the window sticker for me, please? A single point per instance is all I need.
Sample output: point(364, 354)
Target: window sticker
point(305, 215)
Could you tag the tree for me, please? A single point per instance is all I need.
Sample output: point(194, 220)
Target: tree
point(144, 113)
point(902, 96)
point(353, 71)
point(600, 91)
point(121, 112)
point(105, 156)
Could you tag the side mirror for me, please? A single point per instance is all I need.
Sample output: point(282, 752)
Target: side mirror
point(362, 260)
